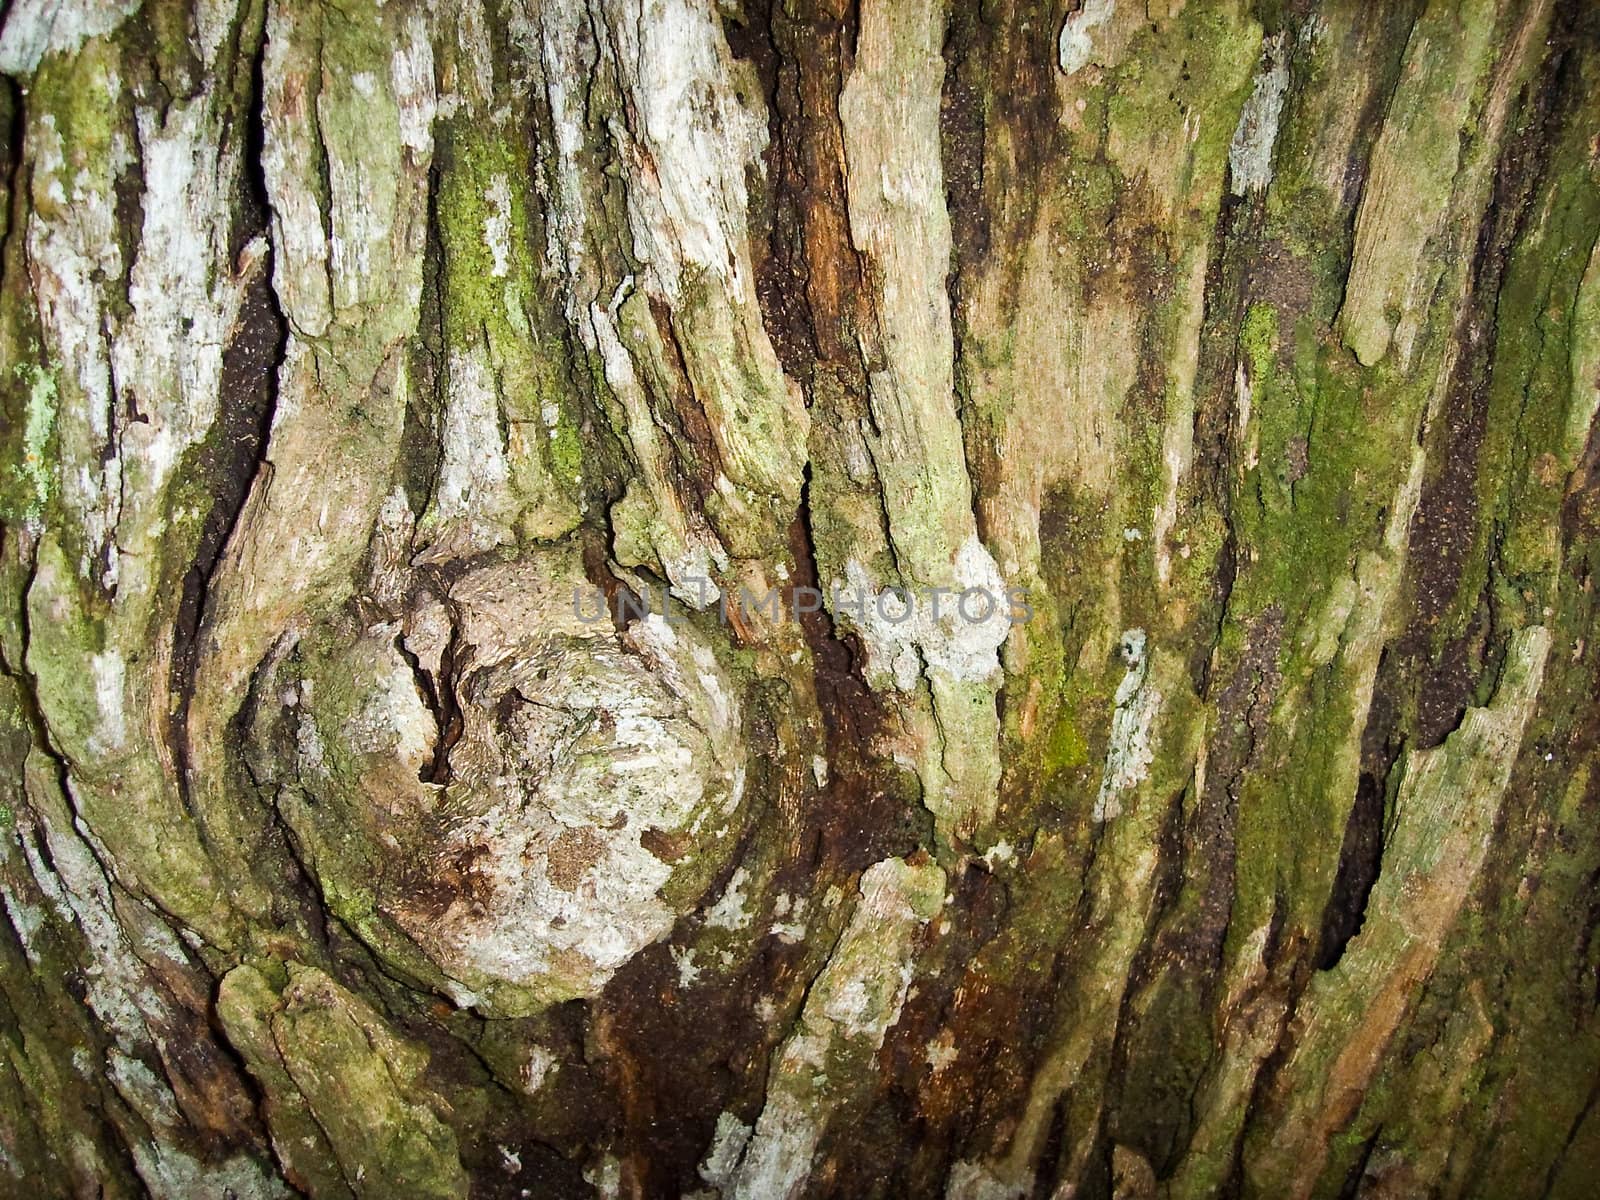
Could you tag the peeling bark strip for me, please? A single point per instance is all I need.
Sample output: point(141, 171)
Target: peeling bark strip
point(1257, 347)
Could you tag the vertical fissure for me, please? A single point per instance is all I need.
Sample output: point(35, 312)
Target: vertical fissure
point(235, 451)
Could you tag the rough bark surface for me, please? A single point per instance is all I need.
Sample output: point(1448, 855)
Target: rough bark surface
point(343, 345)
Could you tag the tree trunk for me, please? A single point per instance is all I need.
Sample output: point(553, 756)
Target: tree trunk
point(647, 598)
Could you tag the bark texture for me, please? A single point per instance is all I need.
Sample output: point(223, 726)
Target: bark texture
point(1258, 344)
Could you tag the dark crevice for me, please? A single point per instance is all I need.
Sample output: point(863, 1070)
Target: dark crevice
point(28, 696)
point(1223, 579)
point(1234, 240)
point(13, 131)
point(961, 146)
point(1385, 40)
point(862, 816)
point(1056, 1150)
point(961, 137)
point(128, 194)
point(296, 893)
point(597, 539)
point(420, 454)
point(442, 697)
point(777, 218)
point(1358, 1170)
point(694, 442)
point(1151, 1094)
point(1360, 860)
point(1441, 663)
point(234, 453)
point(850, 713)
point(666, 1105)
point(1588, 1106)
point(1229, 278)
point(1361, 855)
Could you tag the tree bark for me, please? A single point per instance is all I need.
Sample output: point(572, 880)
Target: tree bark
point(462, 470)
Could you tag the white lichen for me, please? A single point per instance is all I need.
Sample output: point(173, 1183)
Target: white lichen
point(605, 1177)
point(411, 78)
point(393, 719)
point(289, 146)
point(1000, 853)
point(34, 28)
point(474, 468)
point(729, 911)
point(688, 970)
point(27, 920)
point(35, 468)
point(941, 1053)
point(1250, 155)
point(497, 225)
point(537, 1069)
point(956, 631)
point(109, 671)
point(166, 1170)
point(119, 987)
point(73, 247)
point(853, 1003)
point(1129, 753)
point(167, 357)
point(1075, 47)
point(777, 1158)
point(312, 754)
point(145, 1091)
point(975, 1181)
point(580, 760)
point(727, 1146)
point(687, 207)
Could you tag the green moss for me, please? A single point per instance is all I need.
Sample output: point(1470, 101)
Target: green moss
point(1022, 955)
point(1169, 1043)
point(83, 98)
point(492, 305)
point(1258, 338)
point(1333, 447)
point(1175, 104)
point(28, 479)
point(1522, 476)
point(1323, 460)
point(1066, 749)
point(566, 449)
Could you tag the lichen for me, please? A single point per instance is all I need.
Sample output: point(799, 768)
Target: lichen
point(847, 1013)
point(1128, 754)
point(586, 804)
point(35, 28)
point(1250, 155)
point(1075, 46)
